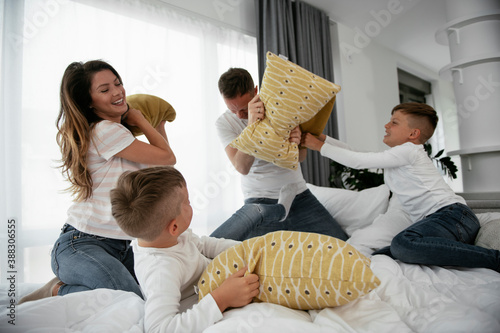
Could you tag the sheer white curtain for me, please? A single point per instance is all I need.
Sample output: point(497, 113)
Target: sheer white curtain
point(156, 51)
point(10, 121)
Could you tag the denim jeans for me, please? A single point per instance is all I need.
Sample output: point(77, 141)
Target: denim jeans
point(260, 216)
point(444, 238)
point(86, 262)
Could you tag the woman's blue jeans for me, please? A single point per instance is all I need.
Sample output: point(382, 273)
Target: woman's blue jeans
point(260, 216)
point(86, 262)
point(444, 238)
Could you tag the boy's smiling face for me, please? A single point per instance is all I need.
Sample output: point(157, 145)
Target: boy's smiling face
point(398, 130)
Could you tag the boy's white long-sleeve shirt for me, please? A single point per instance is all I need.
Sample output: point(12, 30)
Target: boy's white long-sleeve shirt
point(408, 172)
point(167, 277)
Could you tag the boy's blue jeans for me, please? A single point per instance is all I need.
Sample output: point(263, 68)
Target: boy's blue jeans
point(444, 238)
point(86, 262)
point(260, 216)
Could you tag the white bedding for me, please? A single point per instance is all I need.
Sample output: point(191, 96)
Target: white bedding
point(411, 298)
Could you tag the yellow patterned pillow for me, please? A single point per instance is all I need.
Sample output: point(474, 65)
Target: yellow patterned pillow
point(296, 269)
point(292, 96)
point(154, 109)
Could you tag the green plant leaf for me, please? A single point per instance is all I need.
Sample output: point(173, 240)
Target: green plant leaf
point(448, 166)
point(428, 148)
point(439, 153)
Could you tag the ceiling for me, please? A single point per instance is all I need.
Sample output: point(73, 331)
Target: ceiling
point(409, 30)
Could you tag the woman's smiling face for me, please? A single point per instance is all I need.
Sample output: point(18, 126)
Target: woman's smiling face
point(108, 96)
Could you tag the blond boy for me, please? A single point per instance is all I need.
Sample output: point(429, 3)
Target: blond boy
point(153, 206)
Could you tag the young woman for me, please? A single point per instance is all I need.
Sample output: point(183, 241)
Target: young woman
point(92, 251)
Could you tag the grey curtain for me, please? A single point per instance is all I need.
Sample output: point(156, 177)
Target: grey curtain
point(300, 32)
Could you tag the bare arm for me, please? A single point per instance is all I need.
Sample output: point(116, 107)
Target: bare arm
point(161, 129)
point(296, 136)
point(302, 154)
point(243, 162)
point(157, 151)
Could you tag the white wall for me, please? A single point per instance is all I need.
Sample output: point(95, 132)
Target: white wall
point(368, 76)
point(367, 73)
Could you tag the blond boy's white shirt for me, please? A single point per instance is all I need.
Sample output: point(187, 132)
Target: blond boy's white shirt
point(168, 277)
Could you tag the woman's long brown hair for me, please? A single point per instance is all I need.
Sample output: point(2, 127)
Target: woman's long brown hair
point(75, 122)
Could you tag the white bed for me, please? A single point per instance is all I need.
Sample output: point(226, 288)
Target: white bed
point(410, 298)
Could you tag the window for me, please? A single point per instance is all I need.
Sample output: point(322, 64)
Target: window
point(412, 88)
point(156, 51)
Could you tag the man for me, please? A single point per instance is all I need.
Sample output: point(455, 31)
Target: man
point(262, 181)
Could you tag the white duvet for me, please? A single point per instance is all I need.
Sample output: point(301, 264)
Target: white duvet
point(411, 298)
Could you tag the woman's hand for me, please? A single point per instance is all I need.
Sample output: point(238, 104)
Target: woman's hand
point(133, 117)
point(157, 151)
point(256, 110)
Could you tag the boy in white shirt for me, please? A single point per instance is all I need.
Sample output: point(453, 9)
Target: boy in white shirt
point(153, 205)
point(444, 228)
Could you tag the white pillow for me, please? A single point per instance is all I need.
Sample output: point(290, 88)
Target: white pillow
point(383, 229)
point(489, 235)
point(487, 217)
point(352, 209)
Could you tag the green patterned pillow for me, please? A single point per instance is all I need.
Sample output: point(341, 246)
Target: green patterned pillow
point(292, 96)
point(296, 269)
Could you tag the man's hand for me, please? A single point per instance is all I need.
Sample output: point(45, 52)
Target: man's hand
point(295, 135)
point(256, 110)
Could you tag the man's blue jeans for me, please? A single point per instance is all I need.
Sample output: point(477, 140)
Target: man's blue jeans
point(86, 262)
point(444, 238)
point(260, 216)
